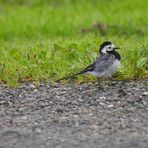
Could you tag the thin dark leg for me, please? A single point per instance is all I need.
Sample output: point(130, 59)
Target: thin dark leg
point(98, 80)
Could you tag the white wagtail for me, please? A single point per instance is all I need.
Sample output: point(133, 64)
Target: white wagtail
point(105, 65)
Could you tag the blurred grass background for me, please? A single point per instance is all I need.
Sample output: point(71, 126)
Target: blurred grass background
point(43, 40)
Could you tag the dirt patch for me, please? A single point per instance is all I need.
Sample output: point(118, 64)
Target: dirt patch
point(69, 116)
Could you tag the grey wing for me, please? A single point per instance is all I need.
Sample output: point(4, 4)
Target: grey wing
point(104, 62)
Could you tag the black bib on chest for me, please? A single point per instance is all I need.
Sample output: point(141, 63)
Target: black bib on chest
point(116, 54)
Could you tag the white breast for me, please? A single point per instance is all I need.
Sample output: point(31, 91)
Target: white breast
point(114, 67)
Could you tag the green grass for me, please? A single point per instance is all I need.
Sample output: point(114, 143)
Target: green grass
point(44, 40)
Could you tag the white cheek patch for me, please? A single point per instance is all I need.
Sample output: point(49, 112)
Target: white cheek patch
point(104, 50)
point(108, 48)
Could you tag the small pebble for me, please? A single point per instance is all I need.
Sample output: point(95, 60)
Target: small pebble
point(32, 86)
point(38, 130)
point(110, 106)
point(59, 110)
point(145, 93)
point(103, 97)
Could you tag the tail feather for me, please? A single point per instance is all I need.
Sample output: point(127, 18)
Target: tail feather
point(71, 76)
point(87, 69)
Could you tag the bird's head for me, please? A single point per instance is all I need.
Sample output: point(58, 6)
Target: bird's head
point(107, 47)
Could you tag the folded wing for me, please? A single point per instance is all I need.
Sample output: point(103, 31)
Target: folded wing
point(104, 63)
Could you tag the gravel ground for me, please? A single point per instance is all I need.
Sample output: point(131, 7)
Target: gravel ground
point(75, 116)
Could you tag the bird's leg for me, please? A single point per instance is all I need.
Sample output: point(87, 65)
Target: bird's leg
point(99, 84)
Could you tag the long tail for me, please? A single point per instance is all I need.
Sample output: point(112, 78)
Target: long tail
point(71, 76)
point(89, 68)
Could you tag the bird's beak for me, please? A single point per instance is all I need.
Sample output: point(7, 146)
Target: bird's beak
point(116, 48)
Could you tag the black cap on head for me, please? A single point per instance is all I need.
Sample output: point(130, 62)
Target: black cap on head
point(105, 44)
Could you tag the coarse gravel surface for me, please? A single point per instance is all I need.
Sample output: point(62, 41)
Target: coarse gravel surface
point(75, 115)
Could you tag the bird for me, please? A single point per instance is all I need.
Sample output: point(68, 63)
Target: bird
point(105, 64)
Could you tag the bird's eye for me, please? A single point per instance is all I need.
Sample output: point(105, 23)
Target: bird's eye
point(109, 47)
